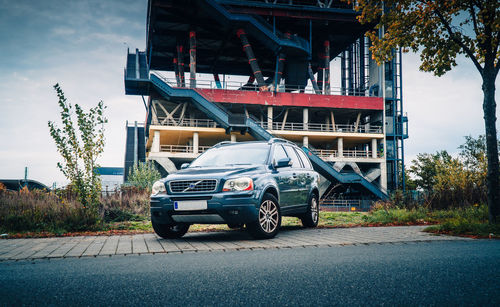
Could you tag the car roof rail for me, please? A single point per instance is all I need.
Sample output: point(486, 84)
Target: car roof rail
point(223, 143)
point(276, 140)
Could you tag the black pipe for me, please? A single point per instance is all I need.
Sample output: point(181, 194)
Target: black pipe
point(180, 63)
point(192, 59)
point(327, 67)
point(251, 59)
point(176, 69)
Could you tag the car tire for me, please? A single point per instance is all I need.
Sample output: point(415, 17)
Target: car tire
point(269, 219)
point(170, 231)
point(311, 217)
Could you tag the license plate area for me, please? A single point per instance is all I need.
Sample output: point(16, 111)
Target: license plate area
point(188, 205)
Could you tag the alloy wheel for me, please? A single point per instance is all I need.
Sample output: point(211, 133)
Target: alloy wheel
point(268, 216)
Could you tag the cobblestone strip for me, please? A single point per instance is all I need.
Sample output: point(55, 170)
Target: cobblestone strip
point(17, 249)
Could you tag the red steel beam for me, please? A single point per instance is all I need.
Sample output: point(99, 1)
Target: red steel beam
point(293, 99)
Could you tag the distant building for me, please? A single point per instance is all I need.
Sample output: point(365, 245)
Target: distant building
point(353, 130)
point(112, 177)
point(18, 184)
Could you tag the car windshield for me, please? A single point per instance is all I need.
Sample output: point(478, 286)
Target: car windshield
point(248, 154)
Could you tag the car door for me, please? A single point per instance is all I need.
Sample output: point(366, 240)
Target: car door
point(283, 177)
point(298, 180)
point(308, 172)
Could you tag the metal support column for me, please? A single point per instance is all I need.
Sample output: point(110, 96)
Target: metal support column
point(176, 69)
point(251, 58)
point(180, 63)
point(192, 59)
point(313, 81)
point(217, 81)
point(320, 72)
point(343, 78)
point(327, 67)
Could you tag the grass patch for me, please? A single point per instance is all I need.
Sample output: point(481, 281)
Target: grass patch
point(470, 221)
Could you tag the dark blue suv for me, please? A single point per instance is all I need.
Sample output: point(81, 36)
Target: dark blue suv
point(247, 183)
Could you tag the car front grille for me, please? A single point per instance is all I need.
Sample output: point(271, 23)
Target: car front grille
point(191, 186)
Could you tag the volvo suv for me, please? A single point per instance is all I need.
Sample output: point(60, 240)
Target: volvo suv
point(245, 184)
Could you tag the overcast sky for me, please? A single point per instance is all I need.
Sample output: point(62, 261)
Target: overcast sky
point(82, 45)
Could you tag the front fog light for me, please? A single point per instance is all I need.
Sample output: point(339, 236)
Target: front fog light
point(238, 184)
point(158, 188)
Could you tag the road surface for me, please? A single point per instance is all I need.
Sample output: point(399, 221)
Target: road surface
point(414, 273)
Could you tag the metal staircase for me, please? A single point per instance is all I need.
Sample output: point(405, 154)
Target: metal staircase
point(222, 117)
point(274, 40)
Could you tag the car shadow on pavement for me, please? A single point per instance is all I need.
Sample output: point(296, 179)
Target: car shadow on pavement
point(231, 235)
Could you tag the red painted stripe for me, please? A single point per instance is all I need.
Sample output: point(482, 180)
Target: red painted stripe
point(293, 99)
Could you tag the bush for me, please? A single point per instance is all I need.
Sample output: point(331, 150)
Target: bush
point(59, 212)
point(142, 175)
point(42, 211)
point(131, 204)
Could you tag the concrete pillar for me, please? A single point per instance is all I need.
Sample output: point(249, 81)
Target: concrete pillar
point(196, 142)
point(270, 118)
point(305, 141)
point(305, 118)
point(374, 148)
point(340, 147)
point(383, 175)
point(233, 138)
point(155, 146)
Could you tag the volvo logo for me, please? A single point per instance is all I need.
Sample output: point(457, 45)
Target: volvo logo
point(192, 186)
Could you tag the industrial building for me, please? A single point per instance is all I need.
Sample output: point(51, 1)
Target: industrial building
point(222, 70)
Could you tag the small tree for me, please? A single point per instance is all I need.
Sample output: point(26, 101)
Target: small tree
point(440, 30)
point(80, 148)
point(143, 175)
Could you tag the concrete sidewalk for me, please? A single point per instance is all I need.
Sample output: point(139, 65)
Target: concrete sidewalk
point(92, 246)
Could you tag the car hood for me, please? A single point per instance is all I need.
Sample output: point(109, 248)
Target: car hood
point(215, 172)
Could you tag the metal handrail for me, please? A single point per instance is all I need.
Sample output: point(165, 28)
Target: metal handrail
point(321, 127)
point(186, 122)
point(182, 148)
point(240, 85)
point(207, 123)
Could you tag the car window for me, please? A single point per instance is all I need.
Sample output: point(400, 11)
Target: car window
point(295, 159)
point(304, 158)
point(279, 153)
point(245, 154)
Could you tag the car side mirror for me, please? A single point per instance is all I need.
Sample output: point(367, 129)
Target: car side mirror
point(184, 165)
point(282, 163)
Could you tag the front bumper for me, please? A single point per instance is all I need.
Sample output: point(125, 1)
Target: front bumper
point(222, 208)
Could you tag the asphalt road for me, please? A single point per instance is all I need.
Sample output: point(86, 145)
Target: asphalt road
point(426, 273)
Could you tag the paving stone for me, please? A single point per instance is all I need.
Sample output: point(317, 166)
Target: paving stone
point(168, 246)
point(81, 247)
point(139, 245)
point(124, 245)
point(95, 247)
point(109, 247)
point(152, 243)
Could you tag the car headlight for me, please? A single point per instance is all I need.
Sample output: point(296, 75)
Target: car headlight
point(158, 188)
point(238, 184)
